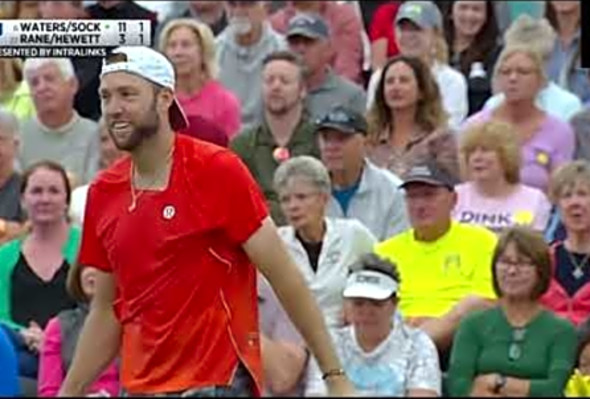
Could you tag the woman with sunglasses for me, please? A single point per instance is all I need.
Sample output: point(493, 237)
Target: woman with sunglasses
point(516, 348)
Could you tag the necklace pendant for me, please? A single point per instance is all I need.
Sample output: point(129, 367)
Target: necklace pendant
point(578, 273)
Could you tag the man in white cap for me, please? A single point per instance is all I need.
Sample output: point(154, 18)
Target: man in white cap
point(175, 289)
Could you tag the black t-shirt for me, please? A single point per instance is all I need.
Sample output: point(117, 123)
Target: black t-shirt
point(33, 299)
point(313, 250)
point(565, 273)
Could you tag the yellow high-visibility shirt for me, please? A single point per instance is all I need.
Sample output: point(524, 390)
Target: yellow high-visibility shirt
point(437, 275)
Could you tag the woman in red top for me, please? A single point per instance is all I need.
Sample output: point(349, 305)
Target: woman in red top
point(569, 292)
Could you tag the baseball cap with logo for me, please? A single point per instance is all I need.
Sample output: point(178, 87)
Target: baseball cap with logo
point(425, 14)
point(308, 25)
point(344, 120)
point(429, 173)
point(150, 65)
point(371, 285)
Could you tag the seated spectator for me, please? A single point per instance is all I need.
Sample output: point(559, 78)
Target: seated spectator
point(473, 38)
point(58, 132)
point(190, 46)
point(419, 33)
point(122, 9)
point(382, 33)
point(286, 130)
point(563, 66)
point(578, 385)
point(109, 153)
point(241, 49)
point(381, 354)
point(569, 292)
point(493, 195)
point(33, 268)
point(12, 216)
point(61, 336)
point(444, 279)
point(309, 36)
point(407, 120)
point(517, 348)
point(323, 248)
point(547, 141)
point(9, 384)
point(360, 190)
point(212, 13)
point(87, 101)
point(538, 35)
point(284, 354)
point(345, 28)
point(15, 95)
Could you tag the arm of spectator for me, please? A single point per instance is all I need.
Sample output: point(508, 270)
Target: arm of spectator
point(51, 373)
point(378, 53)
point(99, 340)
point(462, 364)
point(425, 377)
point(561, 355)
point(283, 362)
point(456, 101)
point(349, 44)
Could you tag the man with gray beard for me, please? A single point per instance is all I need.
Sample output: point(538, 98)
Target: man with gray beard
point(286, 130)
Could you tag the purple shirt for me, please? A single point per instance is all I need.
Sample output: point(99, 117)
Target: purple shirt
point(551, 146)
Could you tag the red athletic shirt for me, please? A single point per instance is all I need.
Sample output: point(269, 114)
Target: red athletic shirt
point(186, 291)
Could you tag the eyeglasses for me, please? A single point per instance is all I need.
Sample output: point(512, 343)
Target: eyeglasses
point(520, 264)
point(515, 348)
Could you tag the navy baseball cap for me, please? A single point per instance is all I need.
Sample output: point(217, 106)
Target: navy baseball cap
point(428, 172)
point(308, 25)
point(344, 120)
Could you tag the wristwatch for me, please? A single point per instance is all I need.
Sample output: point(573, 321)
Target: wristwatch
point(499, 383)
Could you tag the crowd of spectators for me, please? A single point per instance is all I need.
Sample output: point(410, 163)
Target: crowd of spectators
point(427, 163)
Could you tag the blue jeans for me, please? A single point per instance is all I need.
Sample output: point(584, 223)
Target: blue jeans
point(241, 386)
point(28, 362)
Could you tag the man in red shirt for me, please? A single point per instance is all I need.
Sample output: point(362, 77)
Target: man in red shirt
point(174, 229)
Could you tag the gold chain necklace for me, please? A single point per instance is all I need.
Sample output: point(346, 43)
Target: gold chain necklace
point(135, 194)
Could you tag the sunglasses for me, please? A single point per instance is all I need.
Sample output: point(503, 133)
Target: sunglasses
point(515, 348)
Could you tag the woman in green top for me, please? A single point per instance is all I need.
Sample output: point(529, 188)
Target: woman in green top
point(517, 348)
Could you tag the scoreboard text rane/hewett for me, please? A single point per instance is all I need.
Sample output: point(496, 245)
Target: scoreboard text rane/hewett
point(20, 38)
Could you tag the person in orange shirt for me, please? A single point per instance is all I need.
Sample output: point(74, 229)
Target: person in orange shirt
point(174, 230)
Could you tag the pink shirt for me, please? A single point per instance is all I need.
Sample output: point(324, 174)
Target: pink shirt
point(525, 206)
point(216, 104)
point(51, 372)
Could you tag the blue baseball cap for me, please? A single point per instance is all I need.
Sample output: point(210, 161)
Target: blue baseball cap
point(308, 25)
point(151, 65)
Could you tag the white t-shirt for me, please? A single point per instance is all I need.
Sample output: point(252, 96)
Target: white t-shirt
point(525, 206)
point(406, 359)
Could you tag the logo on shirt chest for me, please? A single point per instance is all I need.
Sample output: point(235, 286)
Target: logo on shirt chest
point(168, 212)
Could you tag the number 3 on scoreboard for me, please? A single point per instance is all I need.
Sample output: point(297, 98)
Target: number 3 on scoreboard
point(121, 38)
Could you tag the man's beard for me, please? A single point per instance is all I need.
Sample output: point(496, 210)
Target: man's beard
point(282, 108)
point(140, 132)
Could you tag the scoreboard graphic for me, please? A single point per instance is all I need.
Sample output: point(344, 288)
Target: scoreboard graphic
point(25, 38)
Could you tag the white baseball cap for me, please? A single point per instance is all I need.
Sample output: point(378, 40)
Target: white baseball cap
point(371, 285)
point(150, 65)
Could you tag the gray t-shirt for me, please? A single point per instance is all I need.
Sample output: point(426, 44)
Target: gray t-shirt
point(240, 70)
point(335, 90)
point(10, 208)
point(76, 146)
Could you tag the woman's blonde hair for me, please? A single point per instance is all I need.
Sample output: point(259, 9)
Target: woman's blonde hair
point(204, 36)
point(513, 49)
point(441, 48)
point(11, 75)
point(430, 113)
point(500, 137)
point(567, 176)
point(535, 33)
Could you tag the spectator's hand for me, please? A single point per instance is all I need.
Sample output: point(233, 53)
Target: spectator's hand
point(416, 322)
point(339, 386)
point(483, 385)
point(471, 303)
point(33, 336)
